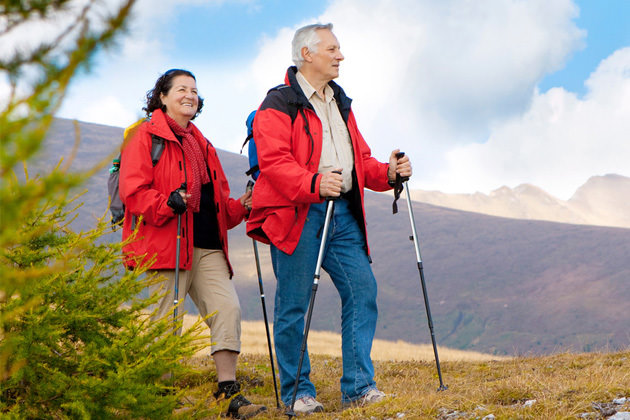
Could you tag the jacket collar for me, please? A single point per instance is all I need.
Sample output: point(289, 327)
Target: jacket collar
point(159, 127)
point(343, 101)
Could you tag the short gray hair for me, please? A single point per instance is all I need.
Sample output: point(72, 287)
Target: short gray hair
point(307, 37)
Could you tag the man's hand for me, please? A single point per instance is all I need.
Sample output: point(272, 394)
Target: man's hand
point(400, 166)
point(330, 185)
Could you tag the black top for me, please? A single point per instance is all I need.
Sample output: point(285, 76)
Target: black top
point(205, 224)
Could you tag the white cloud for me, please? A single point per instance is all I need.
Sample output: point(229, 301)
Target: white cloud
point(453, 83)
point(118, 114)
point(428, 76)
point(558, 143)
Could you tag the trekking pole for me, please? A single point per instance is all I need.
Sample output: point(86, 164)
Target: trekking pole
point(414, 238)
point(250, 186)
point(177, 248)
point(320, 257)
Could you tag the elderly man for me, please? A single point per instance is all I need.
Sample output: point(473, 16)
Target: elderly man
point(309, 148)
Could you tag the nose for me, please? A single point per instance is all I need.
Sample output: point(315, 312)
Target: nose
point(340, 56)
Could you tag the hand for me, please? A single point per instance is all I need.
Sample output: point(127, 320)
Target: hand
point(330, 184)
point(177, 201)
point(401, 166)
point(246, 199)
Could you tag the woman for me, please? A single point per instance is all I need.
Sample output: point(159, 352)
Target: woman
point(187, 181)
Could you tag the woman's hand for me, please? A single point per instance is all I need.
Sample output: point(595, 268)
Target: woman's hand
point(246, 200)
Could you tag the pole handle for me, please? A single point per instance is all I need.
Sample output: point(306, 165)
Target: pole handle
point(331, 198)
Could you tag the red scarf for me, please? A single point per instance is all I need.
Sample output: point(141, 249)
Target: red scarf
point(195, 158)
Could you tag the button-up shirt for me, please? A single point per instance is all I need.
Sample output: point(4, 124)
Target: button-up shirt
point(336, 144)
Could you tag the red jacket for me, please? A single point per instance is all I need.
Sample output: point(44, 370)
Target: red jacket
point(144, 190)
point(289, 159)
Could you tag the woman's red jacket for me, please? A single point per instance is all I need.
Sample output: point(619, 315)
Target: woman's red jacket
point(144, 189)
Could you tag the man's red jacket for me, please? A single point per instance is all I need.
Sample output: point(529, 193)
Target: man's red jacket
point(144, 189)
point(289, 159)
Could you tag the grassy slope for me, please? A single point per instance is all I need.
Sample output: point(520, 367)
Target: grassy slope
point(563, 385)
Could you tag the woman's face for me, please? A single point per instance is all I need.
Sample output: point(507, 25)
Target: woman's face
point(181, 100)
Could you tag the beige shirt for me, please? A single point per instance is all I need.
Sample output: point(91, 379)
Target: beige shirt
point(336, 144)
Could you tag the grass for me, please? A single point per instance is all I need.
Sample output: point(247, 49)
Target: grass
point(564, 386)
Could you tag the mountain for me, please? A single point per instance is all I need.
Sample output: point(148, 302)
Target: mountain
point(602, 201)
point(495, 284)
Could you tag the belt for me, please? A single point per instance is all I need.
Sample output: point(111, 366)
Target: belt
point(346, 195)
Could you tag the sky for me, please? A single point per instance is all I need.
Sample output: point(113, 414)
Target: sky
point(479, 94)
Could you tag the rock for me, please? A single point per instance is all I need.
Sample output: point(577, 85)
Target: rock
point(605, 409)
point(621, 415)
point(488, 417)
point(529, 403)
point(620, 401)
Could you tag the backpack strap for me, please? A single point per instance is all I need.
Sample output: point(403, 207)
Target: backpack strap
point(157, 148)
point(295, 106)
point(291, 99)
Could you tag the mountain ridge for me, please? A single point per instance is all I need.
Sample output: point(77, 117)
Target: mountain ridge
point(496, 285)
point(598, 202)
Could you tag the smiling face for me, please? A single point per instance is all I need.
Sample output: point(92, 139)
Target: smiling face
point(181, 100)
point(325, 62)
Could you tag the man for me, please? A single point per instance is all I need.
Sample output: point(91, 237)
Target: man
point(299, 153)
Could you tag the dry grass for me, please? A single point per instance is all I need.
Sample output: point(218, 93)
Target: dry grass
point(328, 343)
point(563, 385)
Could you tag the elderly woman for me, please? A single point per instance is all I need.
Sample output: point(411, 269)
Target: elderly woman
point(154, 191)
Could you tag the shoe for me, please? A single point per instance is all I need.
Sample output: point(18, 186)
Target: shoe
point(307, 405)
point(370, 397)
point(241, 408)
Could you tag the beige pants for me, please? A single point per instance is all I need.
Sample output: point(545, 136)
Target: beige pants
point(209, 286)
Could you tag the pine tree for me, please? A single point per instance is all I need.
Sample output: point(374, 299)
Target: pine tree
point(75, 339)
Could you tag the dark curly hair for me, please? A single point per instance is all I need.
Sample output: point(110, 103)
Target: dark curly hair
point(163, 85)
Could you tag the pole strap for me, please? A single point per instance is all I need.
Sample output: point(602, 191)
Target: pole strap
point(398, 187)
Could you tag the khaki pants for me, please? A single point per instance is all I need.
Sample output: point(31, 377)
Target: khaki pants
point(209, 286)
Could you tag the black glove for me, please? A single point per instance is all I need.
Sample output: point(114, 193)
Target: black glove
point(176, 202)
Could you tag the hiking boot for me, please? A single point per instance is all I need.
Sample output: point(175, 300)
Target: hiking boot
point(370, 397)
point(307, 405)
point(241, 408)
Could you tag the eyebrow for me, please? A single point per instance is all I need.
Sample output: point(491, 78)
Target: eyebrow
point(184, 86)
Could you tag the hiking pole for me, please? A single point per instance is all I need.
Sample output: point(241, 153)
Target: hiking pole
point(250, 186)
point(414, 238)
point(182, 188)
point(320, 257)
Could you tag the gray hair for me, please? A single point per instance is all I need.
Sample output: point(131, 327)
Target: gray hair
point(307, 37)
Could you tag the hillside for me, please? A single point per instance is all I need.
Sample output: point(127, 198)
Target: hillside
point(496, 285)
point(602, 201)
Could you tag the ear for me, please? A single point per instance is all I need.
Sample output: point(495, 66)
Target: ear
point(306, 54)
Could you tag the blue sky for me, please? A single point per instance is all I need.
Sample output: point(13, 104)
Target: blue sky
point(607, 23)
point(479, 94)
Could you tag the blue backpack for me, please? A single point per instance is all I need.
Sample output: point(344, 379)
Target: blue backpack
point(290, 97)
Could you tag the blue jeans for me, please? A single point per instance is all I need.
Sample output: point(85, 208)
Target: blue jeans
point(346, 261)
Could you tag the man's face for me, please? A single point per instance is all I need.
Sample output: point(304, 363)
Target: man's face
point(328, 56)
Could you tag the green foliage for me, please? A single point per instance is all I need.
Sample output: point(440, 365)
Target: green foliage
point(75, 339)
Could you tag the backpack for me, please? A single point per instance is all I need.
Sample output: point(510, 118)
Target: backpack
point(116, 206)
point(294, 106)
